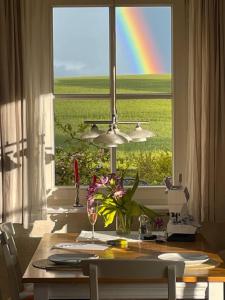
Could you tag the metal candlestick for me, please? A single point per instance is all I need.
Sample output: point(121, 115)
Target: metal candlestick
point(77, 199)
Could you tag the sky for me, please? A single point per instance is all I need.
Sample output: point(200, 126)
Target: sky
point(81, 41)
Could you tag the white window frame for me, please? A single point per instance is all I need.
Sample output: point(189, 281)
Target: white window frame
point(153, 195)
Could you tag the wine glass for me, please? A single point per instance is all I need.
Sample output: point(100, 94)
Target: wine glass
point(92, 211)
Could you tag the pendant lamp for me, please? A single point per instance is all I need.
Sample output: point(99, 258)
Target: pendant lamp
point(140, 134)
point(110, 138)
point(92, 133)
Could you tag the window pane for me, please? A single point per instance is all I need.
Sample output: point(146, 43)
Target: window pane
point(81, 65)
point(153, 158)
point(69, 117)
point(81, 50)
point(143, 41)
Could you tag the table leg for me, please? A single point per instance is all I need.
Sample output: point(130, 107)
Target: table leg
point(216, 291)
point(41, 291)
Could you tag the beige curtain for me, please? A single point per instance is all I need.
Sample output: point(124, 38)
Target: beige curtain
point(25, 108)
point(206, 110)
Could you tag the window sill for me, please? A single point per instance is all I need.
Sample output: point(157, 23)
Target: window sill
point(68, 209)
point(62, 198)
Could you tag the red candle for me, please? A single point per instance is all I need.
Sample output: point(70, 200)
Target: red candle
point(76, 172)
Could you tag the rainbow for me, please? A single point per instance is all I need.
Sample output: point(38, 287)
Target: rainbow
point(137, 36)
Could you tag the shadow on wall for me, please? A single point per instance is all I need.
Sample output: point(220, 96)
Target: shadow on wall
point(75, 222)
point(11, 158)
point(70, 222)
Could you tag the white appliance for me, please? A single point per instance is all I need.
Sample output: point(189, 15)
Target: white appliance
point(181, 226)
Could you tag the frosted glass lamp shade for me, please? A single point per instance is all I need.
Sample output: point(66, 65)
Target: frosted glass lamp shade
point(92, 133)
point(110, 139)
point(123, 134)
point(140, 135)
point(137, 140)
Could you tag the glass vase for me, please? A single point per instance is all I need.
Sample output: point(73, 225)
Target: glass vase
point(123, 224)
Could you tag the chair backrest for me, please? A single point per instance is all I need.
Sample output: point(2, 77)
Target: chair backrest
point(132, 269)
point(11, 259)
point(9, 231)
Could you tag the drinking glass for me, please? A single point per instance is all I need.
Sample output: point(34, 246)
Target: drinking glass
point(92, 211)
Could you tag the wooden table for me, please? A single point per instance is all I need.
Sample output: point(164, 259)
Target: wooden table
point(196, 283)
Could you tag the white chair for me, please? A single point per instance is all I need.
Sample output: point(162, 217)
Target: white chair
point(130, 270)
point(9, 230)
point(17, 289)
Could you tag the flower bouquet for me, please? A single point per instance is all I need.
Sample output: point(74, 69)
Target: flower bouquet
point(116, 201)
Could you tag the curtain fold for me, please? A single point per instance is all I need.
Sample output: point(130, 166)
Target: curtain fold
point(25, 96)
point(10, 113)
point(206, 110)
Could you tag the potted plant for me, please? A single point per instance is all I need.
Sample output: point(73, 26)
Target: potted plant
point(116, 202)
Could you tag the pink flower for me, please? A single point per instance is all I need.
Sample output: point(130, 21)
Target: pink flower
point(90, 201)
point(90, 194)
point(103, 180)
point(119, 191)
point(158, 222)
point(92, 189)
point(112, 187)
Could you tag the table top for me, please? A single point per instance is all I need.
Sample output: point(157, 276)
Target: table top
point(144, 249)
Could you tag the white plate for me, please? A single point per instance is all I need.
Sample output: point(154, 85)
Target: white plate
point(187, 258)
point(71, 258)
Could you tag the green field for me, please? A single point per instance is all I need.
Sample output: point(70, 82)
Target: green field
point(157, 112)
point(125, 84)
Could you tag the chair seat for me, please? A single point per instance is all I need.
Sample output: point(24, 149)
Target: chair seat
point(29, 287)
point(27, 293)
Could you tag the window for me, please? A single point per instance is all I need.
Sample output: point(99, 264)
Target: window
point(148, 83)
point(81, 76)
point(143, 51)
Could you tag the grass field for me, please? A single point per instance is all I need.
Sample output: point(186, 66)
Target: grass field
point(125, 84)
point(157, 112)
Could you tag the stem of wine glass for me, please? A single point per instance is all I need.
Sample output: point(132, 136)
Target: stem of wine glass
point(93, 231)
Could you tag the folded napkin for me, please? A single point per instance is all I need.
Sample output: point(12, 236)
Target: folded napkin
point(80, 246)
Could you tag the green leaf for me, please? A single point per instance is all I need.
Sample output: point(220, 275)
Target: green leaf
point(101, 210)
point(130, 191)
point(109, 218)
point(109, 201)
point(107, 211)
point(147, 211)
point(99, 196)
point(133, 209)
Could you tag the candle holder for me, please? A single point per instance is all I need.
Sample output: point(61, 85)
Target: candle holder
point(77, 199)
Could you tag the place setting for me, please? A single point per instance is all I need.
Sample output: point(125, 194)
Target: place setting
point(189, 259)
point(192, 260)
point(63, 262)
